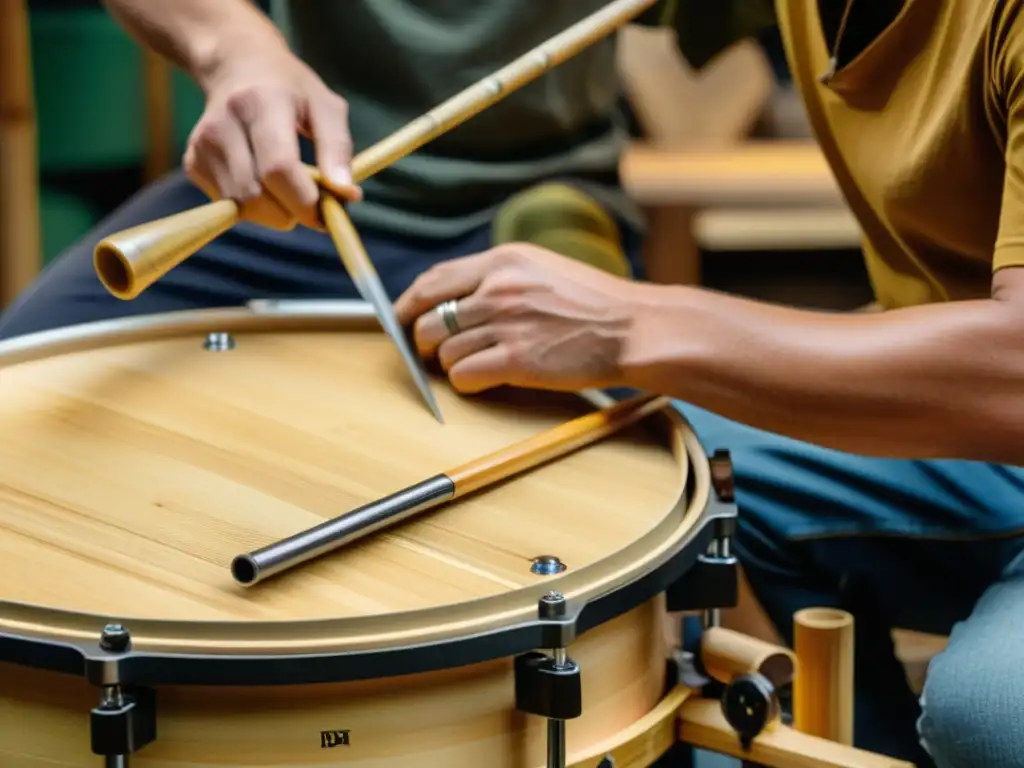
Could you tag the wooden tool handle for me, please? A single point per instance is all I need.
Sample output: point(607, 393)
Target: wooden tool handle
point(549, 445)
point(128, 262)
point(252, 567)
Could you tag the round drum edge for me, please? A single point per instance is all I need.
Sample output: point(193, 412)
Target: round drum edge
point(492, 629)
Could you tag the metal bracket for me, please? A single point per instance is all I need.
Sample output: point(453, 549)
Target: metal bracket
point(712, 582)
point(125, 720)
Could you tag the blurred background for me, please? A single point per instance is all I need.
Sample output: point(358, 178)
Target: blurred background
point(109, 117)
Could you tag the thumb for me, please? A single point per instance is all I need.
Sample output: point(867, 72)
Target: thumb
point(328, 118)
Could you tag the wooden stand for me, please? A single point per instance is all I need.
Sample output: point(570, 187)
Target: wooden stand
point(19, 186)
point(703, 725)
point(823, 692)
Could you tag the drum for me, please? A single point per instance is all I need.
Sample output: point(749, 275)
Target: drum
point(139, 456)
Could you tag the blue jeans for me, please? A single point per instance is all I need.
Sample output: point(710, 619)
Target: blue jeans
point(928, 545)
point(934, 546)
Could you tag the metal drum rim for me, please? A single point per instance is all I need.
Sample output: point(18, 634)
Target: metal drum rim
point(679, 529)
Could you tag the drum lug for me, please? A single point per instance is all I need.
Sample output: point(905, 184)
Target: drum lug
point(546, 688)
point(712, 582)
point(550, 686)
point(125, 720)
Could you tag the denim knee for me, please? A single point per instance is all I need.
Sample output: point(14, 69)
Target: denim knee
point(971, 708)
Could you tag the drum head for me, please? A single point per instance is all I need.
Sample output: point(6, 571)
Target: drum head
point(136, 462)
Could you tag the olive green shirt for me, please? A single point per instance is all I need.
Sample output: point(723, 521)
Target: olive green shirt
point(393, 60)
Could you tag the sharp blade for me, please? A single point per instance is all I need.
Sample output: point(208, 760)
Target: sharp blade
point(372, 290)
point(367, 281)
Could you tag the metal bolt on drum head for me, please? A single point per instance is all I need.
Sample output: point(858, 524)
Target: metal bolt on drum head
point(219, 342)
point(545, 565)
point(114, 638)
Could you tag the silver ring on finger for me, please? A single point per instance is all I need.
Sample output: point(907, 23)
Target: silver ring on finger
point(449, 312)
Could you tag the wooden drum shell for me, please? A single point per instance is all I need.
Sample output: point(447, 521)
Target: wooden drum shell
point(458, 710)
point(463, 716)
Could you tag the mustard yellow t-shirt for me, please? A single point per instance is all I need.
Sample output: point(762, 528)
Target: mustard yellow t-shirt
point(924, 130)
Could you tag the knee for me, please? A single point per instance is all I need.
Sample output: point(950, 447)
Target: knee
point(970, 708)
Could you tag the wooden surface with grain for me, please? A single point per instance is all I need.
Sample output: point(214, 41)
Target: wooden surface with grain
point(130, 475)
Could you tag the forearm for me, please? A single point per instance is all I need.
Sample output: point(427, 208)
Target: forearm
point(927, 382)
point(196, 35)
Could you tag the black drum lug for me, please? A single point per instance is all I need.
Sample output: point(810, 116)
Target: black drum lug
point(551, 686)
point(124, 722)
point(548, 689)
point(712, 582)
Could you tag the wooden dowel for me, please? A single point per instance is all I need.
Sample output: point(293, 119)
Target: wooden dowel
point(130, 261)
point(563, 439)
point(823, 689)
point(253, 567)
point(726, 654)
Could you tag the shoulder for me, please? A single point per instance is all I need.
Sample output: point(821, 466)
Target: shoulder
point(1004, 40)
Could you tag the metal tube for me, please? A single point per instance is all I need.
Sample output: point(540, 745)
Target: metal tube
point(274, 558)
point(556, 743)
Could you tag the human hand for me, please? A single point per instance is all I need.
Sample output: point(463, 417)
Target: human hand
point(527, 317)
point(245, 146)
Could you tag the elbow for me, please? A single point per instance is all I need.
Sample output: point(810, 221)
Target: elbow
point(989, 415)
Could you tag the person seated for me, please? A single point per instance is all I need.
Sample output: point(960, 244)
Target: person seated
point(877, 456)
point(328, 80)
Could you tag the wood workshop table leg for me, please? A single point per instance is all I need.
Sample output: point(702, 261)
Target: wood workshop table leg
point(159, 115)
point(20, 258)
point(672, 254)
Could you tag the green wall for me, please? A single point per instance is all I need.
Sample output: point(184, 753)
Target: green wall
point(90, 103)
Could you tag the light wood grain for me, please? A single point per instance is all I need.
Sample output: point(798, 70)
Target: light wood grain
point(702, 724)
point(130, 476)
point(460, 717)
point(131, 471)
point(552, 444)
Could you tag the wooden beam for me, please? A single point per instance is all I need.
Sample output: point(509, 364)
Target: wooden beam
point(20, 251)
point(766, 174)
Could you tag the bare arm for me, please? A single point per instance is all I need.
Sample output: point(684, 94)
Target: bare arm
point(259, 98)
point(197, 35)
point(937, 381)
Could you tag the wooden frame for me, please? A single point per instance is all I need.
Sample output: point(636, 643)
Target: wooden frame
point(20, 237)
